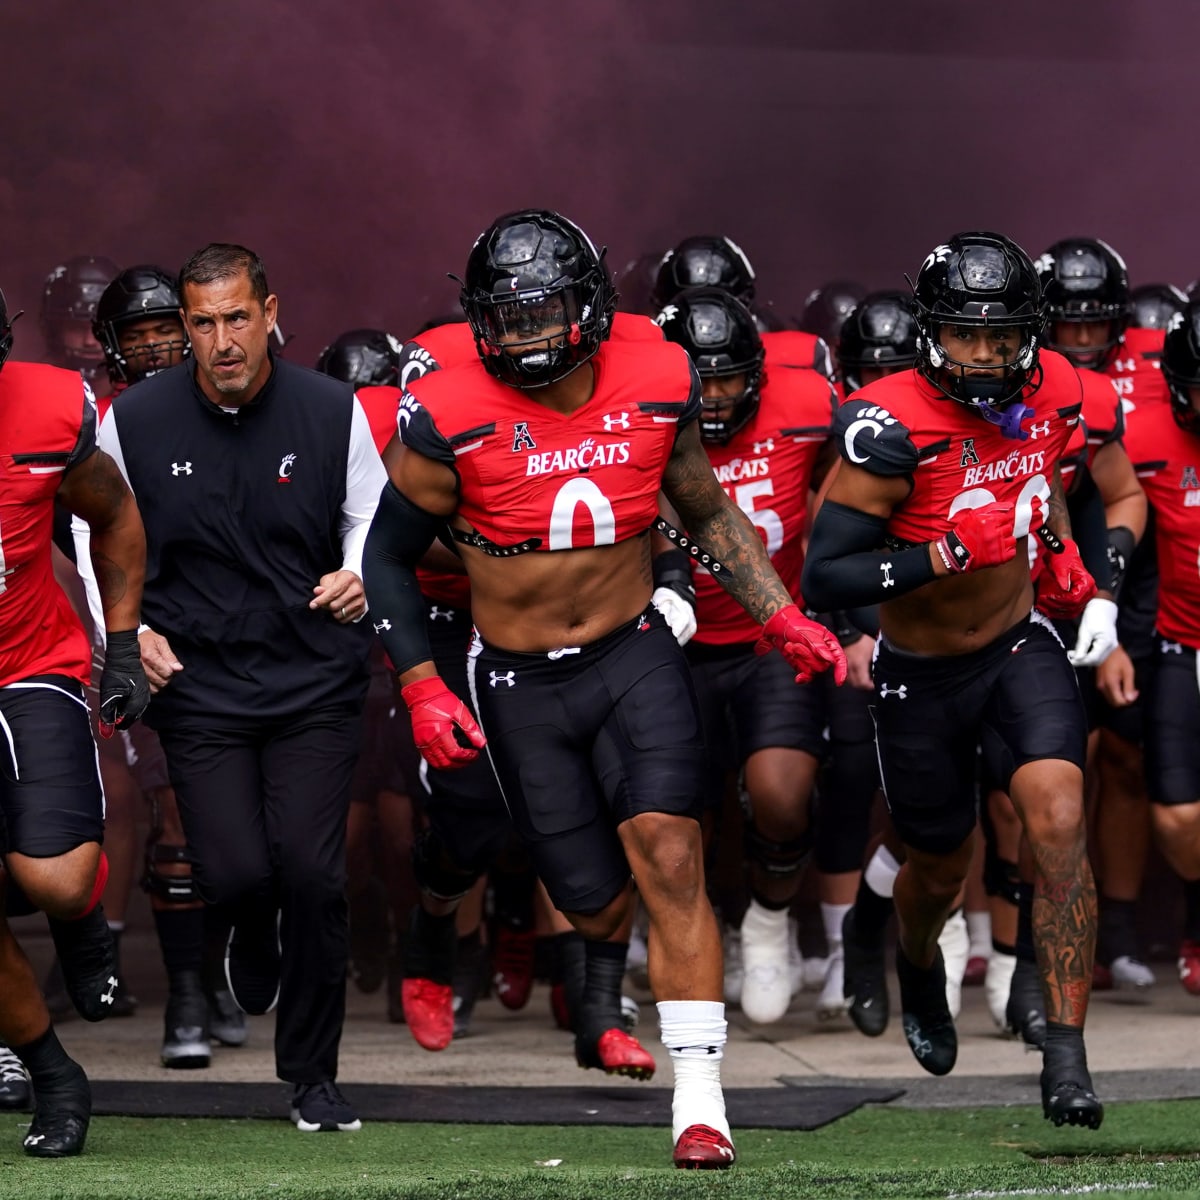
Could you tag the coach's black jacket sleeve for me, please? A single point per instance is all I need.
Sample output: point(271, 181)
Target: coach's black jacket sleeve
point(846, 568)
point(400, 533)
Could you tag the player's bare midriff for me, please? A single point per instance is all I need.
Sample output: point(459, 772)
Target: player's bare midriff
point(963, 613)
point(544, 600)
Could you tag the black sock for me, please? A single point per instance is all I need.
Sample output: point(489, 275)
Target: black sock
point(871, 913)
point(1191, 910)
point(430, 947)
point(1004, 947)
point(1025, 943)
point(49, 1065)
point(600, 1008)
point(1117, 931)
point(1064, 1051)
point(512, 897)
point(570, 965)
point(769, 905)
point(181, 938)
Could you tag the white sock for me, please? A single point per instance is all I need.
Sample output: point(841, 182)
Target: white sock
point(832, 916)
point(693, 1032)
point(979, 929)
point(764, 922)
point(881, 872)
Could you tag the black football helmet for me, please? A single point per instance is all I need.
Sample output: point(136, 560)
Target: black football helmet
point(977, 280)
point(1154, 304)
point(880, 332)
point(537, 296)
point(136, 294)
point(1181, 365)
point(363, 357)
point(69, 298)
point(827, 307)
point(719, 334)
point(706, 260)
point(1084, 280)
point(6, 334)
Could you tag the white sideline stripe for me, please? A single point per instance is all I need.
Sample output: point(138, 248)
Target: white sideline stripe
point(469, 446)
point(47, 470)
point(1082, 1190)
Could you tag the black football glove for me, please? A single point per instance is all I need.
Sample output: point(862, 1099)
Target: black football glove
point(124, 692)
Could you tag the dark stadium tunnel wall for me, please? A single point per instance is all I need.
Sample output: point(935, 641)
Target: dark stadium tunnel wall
point(360, 146)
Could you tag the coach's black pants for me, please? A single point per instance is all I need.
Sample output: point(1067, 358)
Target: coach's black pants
point(264, 809)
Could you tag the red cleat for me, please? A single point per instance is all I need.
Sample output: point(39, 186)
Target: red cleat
point(1102, 978)
point(702, 1147)
point(976, 971)
point(429, 1011)
point(512, 965)
point(616, 1053)
point(1189, 966)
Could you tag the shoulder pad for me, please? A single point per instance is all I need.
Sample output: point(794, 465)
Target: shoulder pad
point(417, 431)
point(870, 437)
point(415, 361)
point(694, 405)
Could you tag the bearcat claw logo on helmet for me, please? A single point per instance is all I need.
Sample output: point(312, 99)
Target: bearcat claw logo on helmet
point(537, 298)
point(981, 280)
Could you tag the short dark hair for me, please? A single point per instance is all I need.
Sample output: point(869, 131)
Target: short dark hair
point(224, 260)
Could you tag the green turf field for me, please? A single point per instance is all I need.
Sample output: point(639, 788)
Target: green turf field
point(875, 1152)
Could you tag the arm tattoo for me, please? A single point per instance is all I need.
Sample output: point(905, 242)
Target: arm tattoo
point(1064, 926)
point(721, 528)
point(110, 579)
point(1058, 518)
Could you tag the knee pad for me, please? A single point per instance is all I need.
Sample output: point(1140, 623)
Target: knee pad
point(1001, 878)
point(435, 871)
point(175, 889)
point(778, 860)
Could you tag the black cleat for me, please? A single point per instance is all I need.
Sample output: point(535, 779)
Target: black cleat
point(60, 1119)
point(16, 1093)
point(88, 956)
point(186, 1030)
point(1067, 1094)
point(928, 1025)
point(865, 982)
point(1026, 1009)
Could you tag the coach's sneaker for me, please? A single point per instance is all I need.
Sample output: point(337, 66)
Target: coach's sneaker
point(252, 964)
point(88, 955)
point(997, 985)
point(512, 964)
point(928, 1025)
point(186, 1045)
point(955, 944)
point(832, 1002)
point(766, 978)
point(1068, 1097)
point(226, 1022)
point(864, 980)
point(60, 1116)
point(1131, 974)
point(321, 1108)
point(705, 1148)
point(731, 942)
point(1189, 966)
point(1025, 1013)
point(614, 1052)
point(15, 1091)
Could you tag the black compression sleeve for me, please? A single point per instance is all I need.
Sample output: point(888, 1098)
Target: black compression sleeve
point(1121, 545)
point(400, 533)
point(1085, 506)
point(673, 569)
point(846, 567)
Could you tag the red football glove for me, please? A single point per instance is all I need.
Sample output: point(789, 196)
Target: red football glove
point(1065, 586)
point(981, 537)
point(436, 712)
point(808, 647)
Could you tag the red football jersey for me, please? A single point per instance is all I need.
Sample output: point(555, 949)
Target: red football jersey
point(47, 424)
point(794, 348)
point(1102, 412)
point(902, 425)
point(1167, 461)
point(1135, 371)
point(766, 470)
point(536, 479)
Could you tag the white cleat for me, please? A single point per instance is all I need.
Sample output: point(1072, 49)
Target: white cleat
point(956, 949)
point(998, 984)
point(796, 961)
point(766, 980)
point(832, 1003)
point(1131, 974)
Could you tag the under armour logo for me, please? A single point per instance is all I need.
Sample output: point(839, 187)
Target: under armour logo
point(107, 998)
point(921, 1046)
point(886, 568)
point(615, 421)
point(726, 1152)
point(34, 1138)
point(508, 677)
point(1171, 647)
point(1042, 430)
point(764, 447)
point(383, 626)
point(901, 691)
point(440, 614)
point(181, 468)
point(285, 468)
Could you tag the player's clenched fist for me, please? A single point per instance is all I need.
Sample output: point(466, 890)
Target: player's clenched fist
point(436, 713)
point(808, 647)
point(981, 537)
